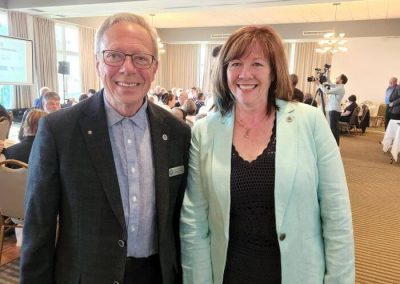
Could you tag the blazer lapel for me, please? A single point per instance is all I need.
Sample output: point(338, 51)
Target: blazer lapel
point(95, 132)
point(221, 165)
point(160, 135)
point(286, 158)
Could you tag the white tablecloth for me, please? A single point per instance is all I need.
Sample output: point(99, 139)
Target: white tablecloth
point(392, 138)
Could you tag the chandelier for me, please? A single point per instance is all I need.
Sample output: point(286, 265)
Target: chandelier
point(160, 45)
point(332, 43)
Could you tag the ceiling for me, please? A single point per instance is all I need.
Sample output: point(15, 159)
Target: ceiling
point(208, 13)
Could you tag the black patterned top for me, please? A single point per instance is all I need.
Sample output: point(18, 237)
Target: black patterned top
point(253, 249)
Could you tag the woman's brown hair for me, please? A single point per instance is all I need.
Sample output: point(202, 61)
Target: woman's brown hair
point(31, 122)
point(234, 48)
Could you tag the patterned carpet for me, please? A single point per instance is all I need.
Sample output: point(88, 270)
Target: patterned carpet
point(374, 186)
point(9, 273)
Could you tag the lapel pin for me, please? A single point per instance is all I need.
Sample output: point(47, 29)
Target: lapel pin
point(165, 137)
point(289, 119)
point(90, 132)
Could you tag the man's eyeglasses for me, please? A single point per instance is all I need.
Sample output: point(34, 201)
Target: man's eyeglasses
point(117, 58)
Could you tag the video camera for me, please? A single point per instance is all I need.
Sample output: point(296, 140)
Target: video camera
point(321, 76)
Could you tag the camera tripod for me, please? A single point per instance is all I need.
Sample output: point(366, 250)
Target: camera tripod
point(321, 95)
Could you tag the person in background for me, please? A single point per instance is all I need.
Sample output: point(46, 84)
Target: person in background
point(182, 98)
point(394, 104)
point(335, 94)
point(91, 92)
point(179, 113)
point(348, 111)
point(50, 103)
point(168, 101)
point(297, 94)
point(83, 97)
point(22, 150)
point(199, 101)
point(308, 99)
point(189, 107)
point(389, 91)
point(4, 112)
point(38, 102)
point(110, 174)
point(256, 208)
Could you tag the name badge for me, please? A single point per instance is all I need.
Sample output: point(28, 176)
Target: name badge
point(176, 171)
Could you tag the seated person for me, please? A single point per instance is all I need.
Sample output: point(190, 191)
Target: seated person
point(3, 112)
point(348, 111)
point(51, 103)
point(22, 150)
point(308, 99)
point(297, 94)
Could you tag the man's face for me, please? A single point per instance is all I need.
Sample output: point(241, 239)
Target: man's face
point(126, 86)
point(338, 80)
point(182, 98)
point(392, 82)
point(51, 105)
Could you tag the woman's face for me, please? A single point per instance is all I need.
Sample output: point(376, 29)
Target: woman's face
point(249, 77)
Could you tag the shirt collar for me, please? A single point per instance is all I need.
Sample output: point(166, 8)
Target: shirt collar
point(113, 117)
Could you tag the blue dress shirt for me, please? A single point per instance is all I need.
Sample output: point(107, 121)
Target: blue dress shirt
point(131, 146)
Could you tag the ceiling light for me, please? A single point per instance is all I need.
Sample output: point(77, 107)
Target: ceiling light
point(332, 43)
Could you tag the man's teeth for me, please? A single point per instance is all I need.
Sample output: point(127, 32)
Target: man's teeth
point(128, 84)
point(247, 87)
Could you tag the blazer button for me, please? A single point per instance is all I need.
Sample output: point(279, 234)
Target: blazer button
point(115, 282)
point(282, 237)
point(121, 243)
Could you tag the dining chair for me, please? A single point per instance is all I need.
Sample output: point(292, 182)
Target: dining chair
point(12, 194)
point(5, 125)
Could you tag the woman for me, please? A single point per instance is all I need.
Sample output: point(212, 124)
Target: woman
point(22, 150)
point(266, 200)
point(348, 111)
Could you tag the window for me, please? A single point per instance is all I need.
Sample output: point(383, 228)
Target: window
point(67, 43)
point(6, 91)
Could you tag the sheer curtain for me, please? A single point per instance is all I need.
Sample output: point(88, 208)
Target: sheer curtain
point(18, 27)
point(306, 59)
point(179, 66)
point(88, 59)
point(208, 67)
point(45, 53)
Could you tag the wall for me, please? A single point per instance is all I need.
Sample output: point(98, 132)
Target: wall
point(369, 64)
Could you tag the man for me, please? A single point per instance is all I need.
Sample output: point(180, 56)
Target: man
point(335, 94)
point(113, 170)
point(50, 103)
point(389, 91)
point(182, 98)
point(394, 104)
point(38, 102)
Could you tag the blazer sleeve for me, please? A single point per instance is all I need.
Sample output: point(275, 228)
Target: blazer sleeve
point(41, 209)
point(337, 229)
point(194, 228)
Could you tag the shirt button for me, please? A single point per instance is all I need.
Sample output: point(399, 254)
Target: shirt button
point(133, 228)
point(129, 141)
point(133, 170)
point(121, 243)
point(134, 198)
point(282, 237)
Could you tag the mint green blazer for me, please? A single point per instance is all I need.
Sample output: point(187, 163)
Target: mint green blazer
point(312, 207)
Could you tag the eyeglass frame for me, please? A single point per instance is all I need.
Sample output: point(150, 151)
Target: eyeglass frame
point(130, 55)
